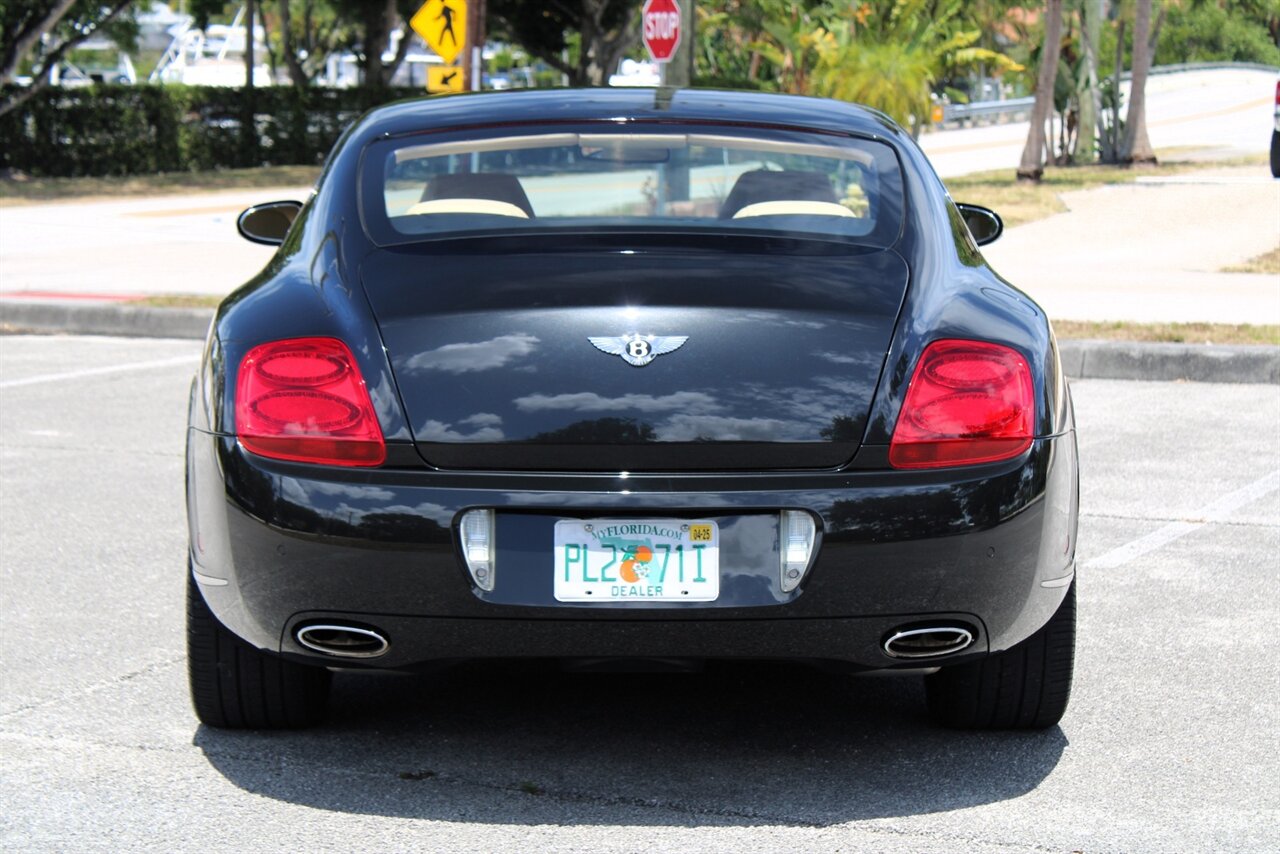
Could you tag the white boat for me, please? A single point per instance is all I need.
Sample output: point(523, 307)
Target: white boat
point(213, 56)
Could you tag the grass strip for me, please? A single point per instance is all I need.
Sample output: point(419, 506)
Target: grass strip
point(1268, 262)
point(1021, 202)
point(180, 301)
point(1175, 333)
point(28, 190)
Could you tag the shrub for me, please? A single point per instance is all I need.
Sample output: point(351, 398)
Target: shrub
point(130, 130)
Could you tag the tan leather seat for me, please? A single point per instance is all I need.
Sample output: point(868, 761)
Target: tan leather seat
point(494, 186)
point(762, 185)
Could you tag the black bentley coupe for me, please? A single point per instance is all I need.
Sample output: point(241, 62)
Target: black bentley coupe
point(645, 376)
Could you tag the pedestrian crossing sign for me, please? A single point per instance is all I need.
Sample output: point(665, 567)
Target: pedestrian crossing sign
point(443, 26)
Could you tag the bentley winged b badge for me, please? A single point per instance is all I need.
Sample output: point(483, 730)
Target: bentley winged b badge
point(637, 349)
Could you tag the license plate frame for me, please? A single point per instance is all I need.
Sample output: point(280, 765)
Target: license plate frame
point(636, 560)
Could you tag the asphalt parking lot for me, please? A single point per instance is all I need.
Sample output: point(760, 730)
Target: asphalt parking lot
point(1172, 741)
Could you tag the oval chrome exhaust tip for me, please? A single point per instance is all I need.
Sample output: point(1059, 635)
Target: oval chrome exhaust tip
point(343, 641)
point(928, 642)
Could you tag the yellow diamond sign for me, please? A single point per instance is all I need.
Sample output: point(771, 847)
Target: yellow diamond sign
point(443, 26)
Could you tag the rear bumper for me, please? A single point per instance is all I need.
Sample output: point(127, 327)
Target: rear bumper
point(852, 641)
point(277, 546)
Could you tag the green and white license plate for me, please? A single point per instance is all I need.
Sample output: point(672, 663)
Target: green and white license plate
point(637, 560)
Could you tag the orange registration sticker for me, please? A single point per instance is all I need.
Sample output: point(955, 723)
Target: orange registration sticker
point(700, 533)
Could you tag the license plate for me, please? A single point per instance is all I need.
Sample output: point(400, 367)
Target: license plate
point(637, 560)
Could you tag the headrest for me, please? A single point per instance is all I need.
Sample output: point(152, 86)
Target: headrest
point(497, 186)
point(776, 186)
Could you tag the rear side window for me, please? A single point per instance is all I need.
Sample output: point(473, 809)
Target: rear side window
point(624, 177)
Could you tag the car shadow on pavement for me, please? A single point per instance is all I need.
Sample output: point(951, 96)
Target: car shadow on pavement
point(524, 743)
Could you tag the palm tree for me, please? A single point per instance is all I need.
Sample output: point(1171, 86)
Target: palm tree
point(894, 78)
point(891, 61)
point(1031, 168)
point(1136, 145)
point(789, 43)
point(1088, 92)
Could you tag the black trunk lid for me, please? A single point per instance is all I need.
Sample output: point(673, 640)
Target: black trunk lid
point(495, 364)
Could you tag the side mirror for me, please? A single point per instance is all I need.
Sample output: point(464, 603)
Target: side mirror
point(268, 223)
point(985, 225)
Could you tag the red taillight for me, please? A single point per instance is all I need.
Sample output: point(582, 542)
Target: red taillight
point(969, 402)
point(303, 399)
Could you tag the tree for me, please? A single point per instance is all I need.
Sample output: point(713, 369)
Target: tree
point(606, 31)
point(789, 42)
point(44, 31)
point(1232, 30)
point(722, 52)
point(892, 59)
point(1136, 145)
point(999, 22)
point(1087, 90)
point(731, 37)
point(372, 22)
point(1031, 167)
point(309, 32)
point(893, 77)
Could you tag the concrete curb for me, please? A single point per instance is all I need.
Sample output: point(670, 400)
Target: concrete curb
point(1118, 360)
point(1208, 363)
point(94, 318)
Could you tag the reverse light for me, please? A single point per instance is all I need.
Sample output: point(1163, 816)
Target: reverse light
point(303, 399)
point(968, 402)
point(476, 528)
point(796, 532)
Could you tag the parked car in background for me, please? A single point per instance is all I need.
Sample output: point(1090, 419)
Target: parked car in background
point(1275, 137)
point(630, 375)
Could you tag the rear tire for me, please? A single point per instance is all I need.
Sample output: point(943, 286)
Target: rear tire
point(235, 686)
point(1024, 687)
point(1275, 154)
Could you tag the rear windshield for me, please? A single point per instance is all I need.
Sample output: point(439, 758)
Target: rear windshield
point(624, 177)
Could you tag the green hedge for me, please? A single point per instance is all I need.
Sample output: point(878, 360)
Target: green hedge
point(133, 130)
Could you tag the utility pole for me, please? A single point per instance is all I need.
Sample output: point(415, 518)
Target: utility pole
point(679, 71)
point(250, 13)
point(248, 112)
point(474, 57)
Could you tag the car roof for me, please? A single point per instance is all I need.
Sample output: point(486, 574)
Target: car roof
point(542, 105)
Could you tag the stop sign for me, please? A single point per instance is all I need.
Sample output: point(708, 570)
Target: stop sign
point(661, 22)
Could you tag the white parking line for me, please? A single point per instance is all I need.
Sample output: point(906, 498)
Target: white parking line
point(93, 372)
point(1217, 511)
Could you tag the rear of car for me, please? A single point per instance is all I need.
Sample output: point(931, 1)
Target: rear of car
point(671, 388)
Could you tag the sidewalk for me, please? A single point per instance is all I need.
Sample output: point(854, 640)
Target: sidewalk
point(1148, 251)
point(1152, 251)
point(138, 247)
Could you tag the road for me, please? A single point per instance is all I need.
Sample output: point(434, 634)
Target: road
point(1230, 110)
point(1172, 741)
